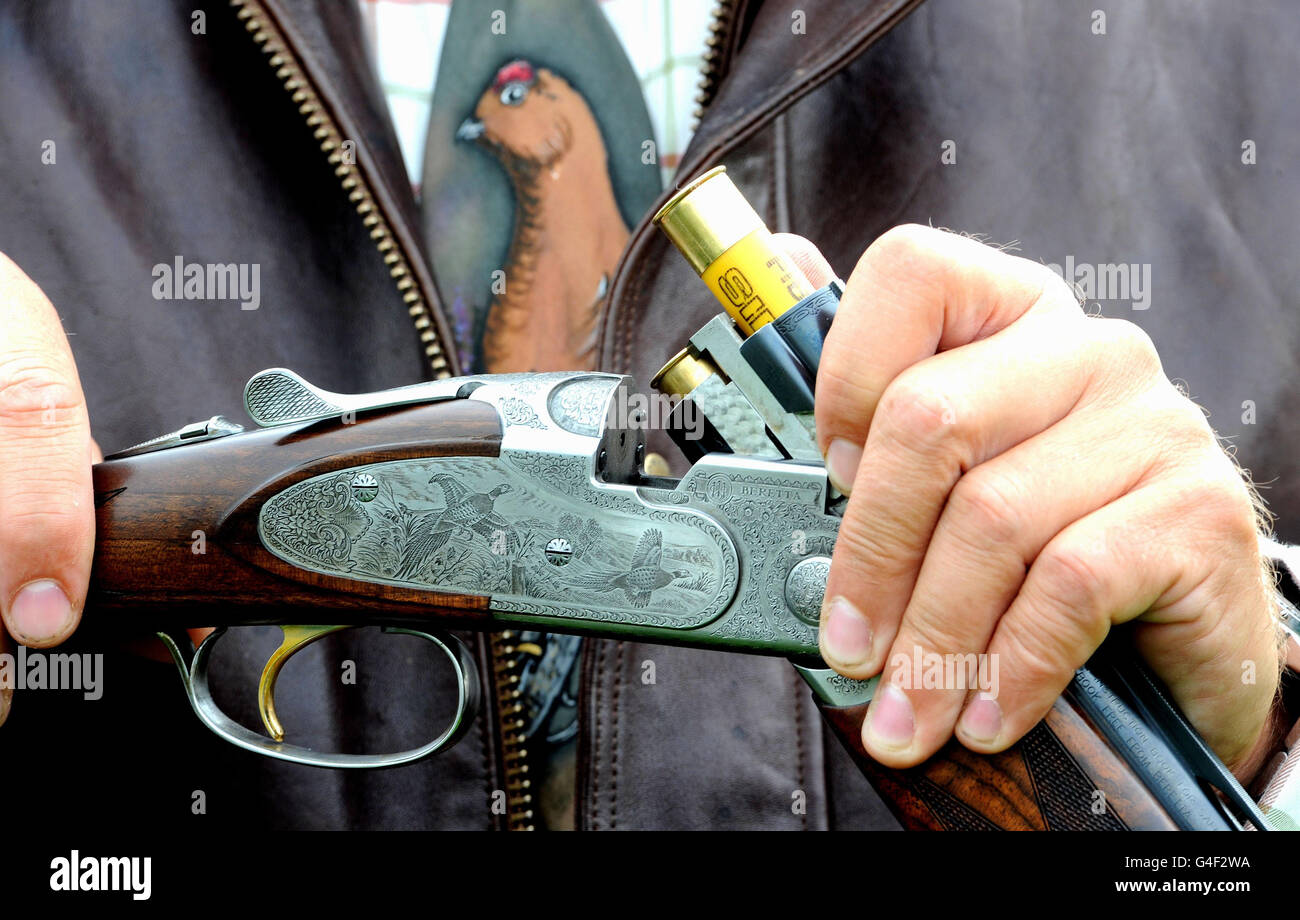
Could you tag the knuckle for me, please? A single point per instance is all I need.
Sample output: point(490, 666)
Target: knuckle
point(42, 529)
point(1221, 495)
point(1185, 413)
point(986, 508)
point(928, 632)
point(1180, 423)
point(41, 520)
point(1071, 579)
point(909, 254)
point(1178, 428)
point(1054, 287)
point(1037, 653)
point(871, 552)
point(840, 390)
point(1127, 346)
point(33, 392)
point(901, 245)
point(917, 415)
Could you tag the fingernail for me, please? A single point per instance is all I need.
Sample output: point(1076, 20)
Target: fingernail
point(842, 460)
point(847, 634)
point(6, 700)
point(982, 720)
point(890, 720)
point(40, 612)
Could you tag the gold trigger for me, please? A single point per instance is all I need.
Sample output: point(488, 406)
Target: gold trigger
point(295, 639)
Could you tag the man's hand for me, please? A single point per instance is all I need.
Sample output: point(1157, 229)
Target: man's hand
point(47, 513)
point(1024, 477)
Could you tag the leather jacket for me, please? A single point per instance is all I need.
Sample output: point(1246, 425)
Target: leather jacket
point(1122, 147)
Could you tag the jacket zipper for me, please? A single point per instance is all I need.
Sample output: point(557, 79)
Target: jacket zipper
point(715, 54)
point(297, 83)
point(511, 725)
point(325, 130)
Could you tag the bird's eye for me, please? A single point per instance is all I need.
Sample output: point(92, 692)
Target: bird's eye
point(513, 94)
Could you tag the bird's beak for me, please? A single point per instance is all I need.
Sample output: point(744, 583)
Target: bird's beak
point(471, 129)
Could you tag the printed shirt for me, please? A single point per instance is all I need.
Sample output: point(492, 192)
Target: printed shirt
point(664, 40)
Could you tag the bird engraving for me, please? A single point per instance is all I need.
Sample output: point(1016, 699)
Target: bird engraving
point(568, 232)
point(466, 511)
point(642, 578)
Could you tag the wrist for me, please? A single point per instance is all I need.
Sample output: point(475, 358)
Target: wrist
point(1271, 740)
point(1282, 732)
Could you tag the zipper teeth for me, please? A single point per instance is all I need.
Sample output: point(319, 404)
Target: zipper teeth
point(514, 750)
point(723, 10)
point(325, 130)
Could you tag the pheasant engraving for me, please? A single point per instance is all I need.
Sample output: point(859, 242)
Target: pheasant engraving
point(474, 512)
point(642, 578)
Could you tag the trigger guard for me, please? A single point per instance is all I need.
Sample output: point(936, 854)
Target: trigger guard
point(193, 666)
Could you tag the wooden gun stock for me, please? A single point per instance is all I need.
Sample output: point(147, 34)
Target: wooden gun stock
point(1060, 776)
point(152, 508)
point(1113, 753)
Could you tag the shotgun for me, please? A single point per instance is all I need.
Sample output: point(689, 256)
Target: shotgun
point(520, 501)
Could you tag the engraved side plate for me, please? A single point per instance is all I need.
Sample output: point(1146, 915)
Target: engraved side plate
point(553, 546)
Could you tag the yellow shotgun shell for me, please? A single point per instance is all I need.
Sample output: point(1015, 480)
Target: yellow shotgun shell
point(729, 246)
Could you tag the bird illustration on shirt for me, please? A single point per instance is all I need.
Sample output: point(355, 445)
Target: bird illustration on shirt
point(568, 232)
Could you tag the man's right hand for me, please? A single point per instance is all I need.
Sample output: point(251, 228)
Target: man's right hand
point(47, 512)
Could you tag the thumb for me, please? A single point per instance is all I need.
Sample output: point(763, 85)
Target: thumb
point(47, 520)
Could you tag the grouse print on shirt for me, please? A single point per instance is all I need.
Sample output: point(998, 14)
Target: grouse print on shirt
point(539, 157)
point(568, 233)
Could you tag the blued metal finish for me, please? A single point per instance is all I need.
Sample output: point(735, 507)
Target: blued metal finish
point(804, 326)
point(779, 369)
